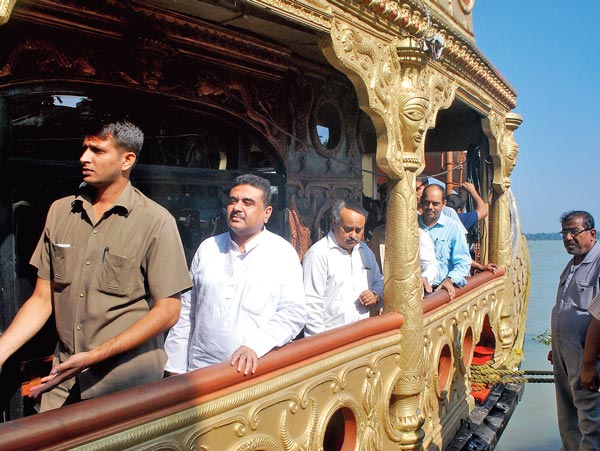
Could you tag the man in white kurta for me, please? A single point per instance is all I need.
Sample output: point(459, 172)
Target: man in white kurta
point(247, 296)
point(342, 281)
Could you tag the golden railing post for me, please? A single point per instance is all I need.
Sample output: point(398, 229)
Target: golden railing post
point(505, 228)
point(6, 7)
point(503, 150)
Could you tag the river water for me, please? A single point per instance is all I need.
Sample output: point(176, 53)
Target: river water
point(533, 426)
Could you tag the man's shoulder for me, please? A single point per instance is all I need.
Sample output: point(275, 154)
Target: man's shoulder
point(277, 241)
point(150, 207)
point(319, 248)
point(364, 247)
point(469, 218)
point(64, 202)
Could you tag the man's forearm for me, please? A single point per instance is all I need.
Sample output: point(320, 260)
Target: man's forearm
point(161, 317)
point(591, 350)
point(30, 318)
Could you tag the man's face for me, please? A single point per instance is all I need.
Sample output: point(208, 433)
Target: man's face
point(349, 232)
point(432, 204)
point(246, 211)
point(577, 243)
point(102, 162)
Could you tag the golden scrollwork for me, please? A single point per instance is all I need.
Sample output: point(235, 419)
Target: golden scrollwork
point(503, 147)
point(6, 7)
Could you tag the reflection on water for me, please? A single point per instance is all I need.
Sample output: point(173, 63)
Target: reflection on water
point(533, 426)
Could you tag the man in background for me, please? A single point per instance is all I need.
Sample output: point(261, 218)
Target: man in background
point(450, 243)
point(342, 280)
point(111, 268)
point(468, 218)
point(578, 405)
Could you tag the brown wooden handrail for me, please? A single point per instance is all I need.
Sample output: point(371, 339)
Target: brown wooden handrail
point(89, 420)
point(440, 298)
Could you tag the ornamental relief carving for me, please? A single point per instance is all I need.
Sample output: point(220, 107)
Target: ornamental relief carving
point(6, 7)
point(298, 419)
point(396, 86)
point(503, 147)
point(314, 199)
point(154, 65)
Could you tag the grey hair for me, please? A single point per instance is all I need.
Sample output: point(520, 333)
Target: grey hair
point(339, 205)
point(586, 219)
point(257, 182)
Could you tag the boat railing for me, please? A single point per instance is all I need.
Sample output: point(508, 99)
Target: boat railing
point(92, 424)
point(77, 424)
point(440, 298)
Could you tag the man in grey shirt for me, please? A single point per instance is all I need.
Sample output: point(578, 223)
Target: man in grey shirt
point(578, 407)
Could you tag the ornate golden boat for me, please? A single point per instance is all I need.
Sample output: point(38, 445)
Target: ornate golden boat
point(319, 96)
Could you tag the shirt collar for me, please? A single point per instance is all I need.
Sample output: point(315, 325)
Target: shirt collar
point(125, 202)
point(253, 243)
point(333, 244)
point(591, 255)
point(443, 219)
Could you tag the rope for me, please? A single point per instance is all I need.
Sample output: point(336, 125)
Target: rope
point(486, 375)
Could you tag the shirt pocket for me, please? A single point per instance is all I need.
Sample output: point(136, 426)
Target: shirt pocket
point(586, 293)
point(116, 276)
point(63, 258)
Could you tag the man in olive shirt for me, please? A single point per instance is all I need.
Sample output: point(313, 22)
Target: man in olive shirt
point(111, 268)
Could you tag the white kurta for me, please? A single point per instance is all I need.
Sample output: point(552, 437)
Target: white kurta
point(254, 298)
point(333, 280)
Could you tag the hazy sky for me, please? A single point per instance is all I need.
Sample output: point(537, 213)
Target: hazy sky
point(547, 52)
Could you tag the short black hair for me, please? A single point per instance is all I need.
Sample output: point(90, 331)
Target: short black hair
point(455, 201)
point(126, 135)
point(586, 219)
point(257, 182)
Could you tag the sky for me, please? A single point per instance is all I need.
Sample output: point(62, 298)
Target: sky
point(546, 51)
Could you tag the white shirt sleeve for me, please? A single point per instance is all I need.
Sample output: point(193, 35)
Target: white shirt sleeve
point(429, 264)
point(178, 338)
point(315, 289)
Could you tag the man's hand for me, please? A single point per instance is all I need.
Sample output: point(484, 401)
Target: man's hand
point(69, 368)
point(549, 357)
point(449, 287)
point(246, 360)
point(493, 267)
point(589, 377)
point(368, 298)
point(469, 188)
point(426, 286)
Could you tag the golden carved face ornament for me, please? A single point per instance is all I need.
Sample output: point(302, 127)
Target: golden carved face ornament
point(511, 149)
point(413, 118)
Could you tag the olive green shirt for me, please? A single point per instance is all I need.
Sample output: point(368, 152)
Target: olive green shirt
point(105, 276)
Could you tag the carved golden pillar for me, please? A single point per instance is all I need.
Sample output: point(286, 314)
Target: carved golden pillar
point(504, 151)
point(6, 7)
point(402, 97)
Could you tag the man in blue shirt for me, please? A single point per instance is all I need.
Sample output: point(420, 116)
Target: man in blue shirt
point(451, 248)
point(468, 218)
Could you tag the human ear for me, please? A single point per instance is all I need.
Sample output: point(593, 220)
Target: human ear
point(268, 212)
point(129, 159)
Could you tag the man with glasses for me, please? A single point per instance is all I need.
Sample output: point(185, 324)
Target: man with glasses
point(578, 407)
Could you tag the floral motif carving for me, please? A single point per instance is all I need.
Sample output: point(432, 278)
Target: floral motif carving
point(33, 57)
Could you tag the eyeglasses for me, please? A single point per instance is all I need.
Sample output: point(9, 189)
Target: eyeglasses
point(573, 232)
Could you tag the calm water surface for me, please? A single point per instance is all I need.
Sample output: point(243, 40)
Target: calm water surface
point(533, 426)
